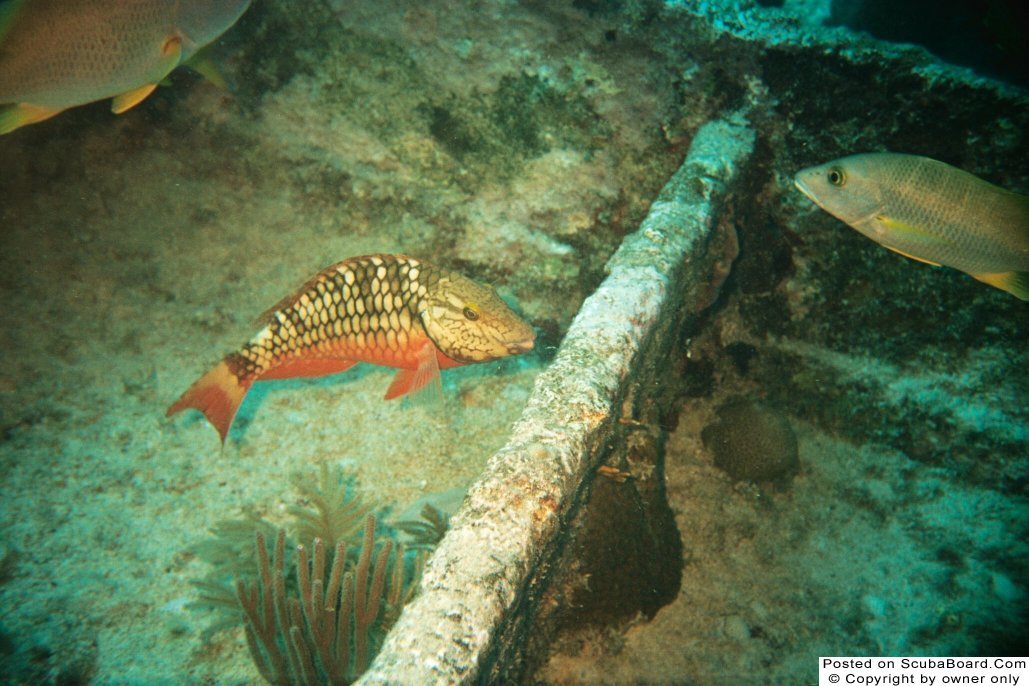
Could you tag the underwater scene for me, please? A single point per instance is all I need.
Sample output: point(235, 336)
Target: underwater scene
point(510, 341)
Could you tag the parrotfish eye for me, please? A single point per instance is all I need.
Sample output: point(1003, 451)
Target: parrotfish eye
point(471, 312)
point(836, 177)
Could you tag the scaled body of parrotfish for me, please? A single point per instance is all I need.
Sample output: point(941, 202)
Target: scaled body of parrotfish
point(390, 310)
point(56, 54)
point(929, 211)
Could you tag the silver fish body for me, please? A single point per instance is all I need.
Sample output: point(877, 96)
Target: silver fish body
point(928, 211)
point(56, 54)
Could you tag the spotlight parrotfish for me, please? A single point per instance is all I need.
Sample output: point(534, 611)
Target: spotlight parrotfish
point(928, 211)
point(389, 310)
point(57, 54)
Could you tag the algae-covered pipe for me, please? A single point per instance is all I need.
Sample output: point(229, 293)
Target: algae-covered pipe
point(479, 578)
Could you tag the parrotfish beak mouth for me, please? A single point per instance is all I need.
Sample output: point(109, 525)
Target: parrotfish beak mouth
point(522, 346)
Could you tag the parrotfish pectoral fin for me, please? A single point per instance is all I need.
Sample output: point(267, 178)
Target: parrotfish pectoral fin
point(412, 380)
point(218, 394)
point(1015, 283)
point(16, 116)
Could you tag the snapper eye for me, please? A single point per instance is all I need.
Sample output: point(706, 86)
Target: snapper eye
point(836, 177)
point(471, 312)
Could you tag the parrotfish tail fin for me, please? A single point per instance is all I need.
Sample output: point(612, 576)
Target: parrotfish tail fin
point(16, 116)
point(424, 378)
point(1015, 283)
point(217, 394)
point(8, 13)
point(171, 55)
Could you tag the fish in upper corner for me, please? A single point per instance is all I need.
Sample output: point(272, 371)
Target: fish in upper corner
point(56, 54)
point(929, 211)
point(390, 310)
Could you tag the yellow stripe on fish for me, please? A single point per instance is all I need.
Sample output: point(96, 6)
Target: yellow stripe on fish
point(390, 310)
point(56, 54)
point(929, 211)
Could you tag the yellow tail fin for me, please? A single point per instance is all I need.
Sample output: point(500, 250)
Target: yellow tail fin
point(1015, 283)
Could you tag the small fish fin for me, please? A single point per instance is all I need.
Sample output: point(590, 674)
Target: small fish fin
point(900, 227)
point(909, 233)
point(8, 13)
point(425, 375)
point(218, 394)
point(202, 63)
point(1015, 283)
point(171, 55)
point(912, 234)
point(16, 116)
point(430, 395)
point(308, 368)
point(126, 101)
point(912, 257)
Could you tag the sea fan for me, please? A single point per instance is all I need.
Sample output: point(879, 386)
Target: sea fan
point(428, 530)
point(320, 618)
point(326, 629)
point(335, 511)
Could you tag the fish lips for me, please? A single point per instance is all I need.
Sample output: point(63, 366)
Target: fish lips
point(803, 187)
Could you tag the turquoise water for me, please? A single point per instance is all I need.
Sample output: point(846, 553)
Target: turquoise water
point(517, 143)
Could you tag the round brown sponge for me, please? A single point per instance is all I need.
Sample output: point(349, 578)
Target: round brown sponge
point(751, 441)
